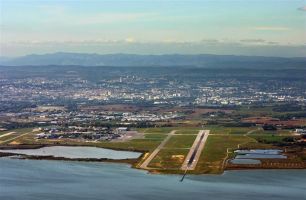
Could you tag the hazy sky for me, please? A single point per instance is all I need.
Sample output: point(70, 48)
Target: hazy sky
point(247, 27)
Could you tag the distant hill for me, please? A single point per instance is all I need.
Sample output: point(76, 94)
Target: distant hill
point(201, 60)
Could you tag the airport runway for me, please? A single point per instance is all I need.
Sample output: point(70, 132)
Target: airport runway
point(195, 151)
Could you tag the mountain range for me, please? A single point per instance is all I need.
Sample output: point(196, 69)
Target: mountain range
point(200, 60)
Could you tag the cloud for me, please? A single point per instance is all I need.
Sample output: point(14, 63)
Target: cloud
point(266, 48)
point(93, 42)
point(106, 18)
point(133, 41)
point(211, 41)
point(270, 28)
point(253, 41)
point(302, 8)
point(129, 40)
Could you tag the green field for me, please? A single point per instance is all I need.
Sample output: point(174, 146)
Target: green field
point(143, 145)
point(269, 138)
point(156, 130)
point(155, 136)
point(172, 156)
point(170, 159)
point(180, 141)
point(184, 130)
point(215, 152)
point(17, 132)
point(277, 132)
point(215, 129)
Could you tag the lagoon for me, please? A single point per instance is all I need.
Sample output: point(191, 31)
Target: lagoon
point(76, 152)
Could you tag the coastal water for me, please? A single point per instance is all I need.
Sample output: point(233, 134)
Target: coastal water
point(66, 180)
point(76, 152)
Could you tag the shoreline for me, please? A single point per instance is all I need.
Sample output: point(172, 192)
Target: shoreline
point(133, 162)
point(38, 146)
point(130, 162)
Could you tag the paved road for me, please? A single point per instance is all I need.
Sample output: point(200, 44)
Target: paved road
point(195, 151)
point(145, 164)
point(12, 139)
point(6, 134)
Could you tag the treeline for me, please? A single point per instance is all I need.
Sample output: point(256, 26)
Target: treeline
point(287, 141)
point(288, 116)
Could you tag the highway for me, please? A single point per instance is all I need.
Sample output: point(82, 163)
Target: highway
point(145, 164)
point(194, 153)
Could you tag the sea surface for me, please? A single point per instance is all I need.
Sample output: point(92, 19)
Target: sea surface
point(76, 152)
point(68, 180)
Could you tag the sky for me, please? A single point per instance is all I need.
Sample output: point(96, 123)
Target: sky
point(223, 27)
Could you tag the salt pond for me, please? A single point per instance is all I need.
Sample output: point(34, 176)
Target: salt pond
point(259, 153)
point(245, 161)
